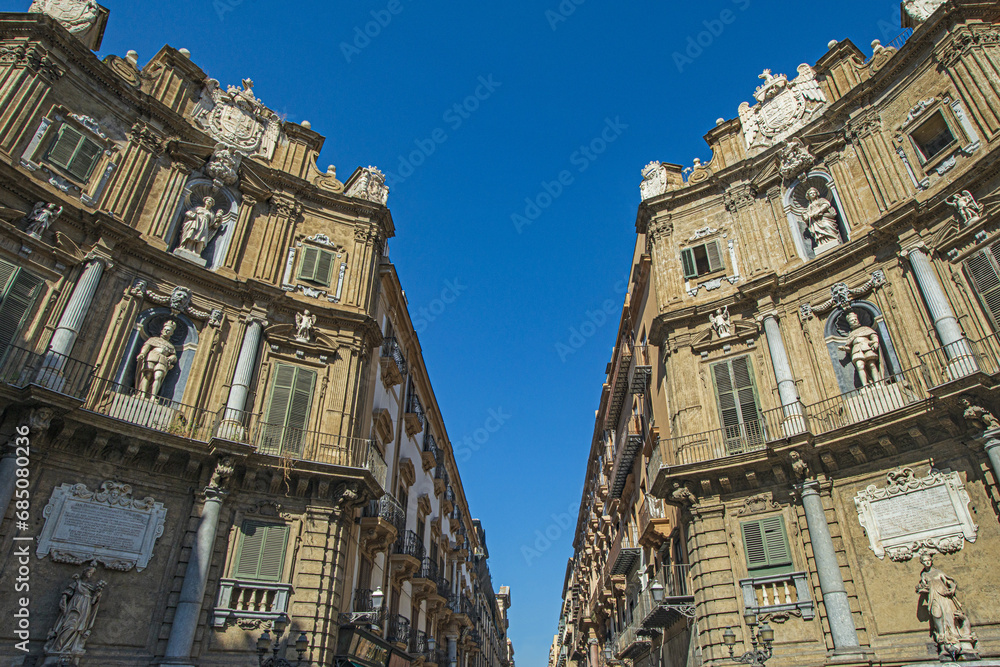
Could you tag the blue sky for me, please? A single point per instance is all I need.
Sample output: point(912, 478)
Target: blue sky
point(537, 88)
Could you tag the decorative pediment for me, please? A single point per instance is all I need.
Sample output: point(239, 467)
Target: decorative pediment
point(964, 235)
point(708, 338)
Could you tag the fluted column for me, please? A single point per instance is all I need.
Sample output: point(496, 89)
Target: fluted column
point(945, 322)
point(452, 651)
point(233, 426)
point(787, 391)
point(68, 329)
point(831, 582)
point(182, 631)
point(992, 448)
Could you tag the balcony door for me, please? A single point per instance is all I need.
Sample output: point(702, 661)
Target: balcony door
point(18, 290)
point(739, 408)
point(288, 411)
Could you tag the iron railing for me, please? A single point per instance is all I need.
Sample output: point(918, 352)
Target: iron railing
point(444, 587)
point(387, 508)
point(960, 359)
point(155, 413)
point(884, 396)
point(20, 368)
point(392, 350)
point(397, 629)
point(428, 570)
point(409, 544)
point(363, 600)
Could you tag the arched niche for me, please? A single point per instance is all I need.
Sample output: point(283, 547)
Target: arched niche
point(835, 334)
point(226, 199)
point(185, 340)
point(796, 204)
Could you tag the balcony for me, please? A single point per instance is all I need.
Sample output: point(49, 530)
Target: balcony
point(781, 595)
point(429, 451)
point(397, 631)
point(249, 602)
point(444, 587)
point(625, 453)
point(21, 368)
point(619, 379)
point(414, 417)
point(424, 581)
point(392, 362)
point(420, 645)
point(382, 521)
point(654, 525)
point(448, 501)
point(441, 480)
point(678, 601)
point(623, 555)
point(642, 373)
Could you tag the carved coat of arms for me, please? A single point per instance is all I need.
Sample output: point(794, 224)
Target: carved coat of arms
point(75, 15)
point(654, 180)
point(783, 107)
point(237, 119)
point(921, 10)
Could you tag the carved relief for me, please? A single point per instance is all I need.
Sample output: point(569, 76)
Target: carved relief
point(783, 107)
point(370, 186)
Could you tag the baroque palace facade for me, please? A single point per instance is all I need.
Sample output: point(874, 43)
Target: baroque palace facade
point(223, 445)
point(796, 451)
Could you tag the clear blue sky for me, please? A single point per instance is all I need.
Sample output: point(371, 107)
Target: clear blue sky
point(552, 90)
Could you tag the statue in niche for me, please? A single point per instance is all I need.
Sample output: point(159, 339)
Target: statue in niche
point(862, 348)
point(821, 219)
point(156, 358)
point(200, 226)
point(950, 626)
point(722, 322)
point(979, 416)
point(77, 612)
point(969, 210)
point(41, 218)
point(304, 323)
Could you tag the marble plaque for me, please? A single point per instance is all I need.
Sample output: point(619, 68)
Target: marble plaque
point(107, 525)
point(914, 514)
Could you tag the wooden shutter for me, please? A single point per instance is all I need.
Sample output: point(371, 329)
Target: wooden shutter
point(87, 155)
point(747, 398)
point(19, 289)
point(64, 147)
point(690, 267)
point(324, 267)
point(307, 267)
point(364, 573)
point(766, 543)
point(261, 554)
point(739, 410)
point(288, 409)
point(982, 270)
point(714, 252)
point(297, 422)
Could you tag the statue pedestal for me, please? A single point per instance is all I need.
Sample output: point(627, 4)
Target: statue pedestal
point(823, 247)
point(874, 400)
point(230, 429)
point(190, 256)
point(142, 410)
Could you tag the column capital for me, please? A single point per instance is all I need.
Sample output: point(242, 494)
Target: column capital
point(771, 313)
point(919, 246)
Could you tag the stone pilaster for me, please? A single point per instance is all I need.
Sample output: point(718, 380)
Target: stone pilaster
point(716, 594)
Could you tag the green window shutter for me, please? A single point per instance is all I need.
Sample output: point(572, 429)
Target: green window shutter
point(714, 253)
point(19, 291)
point(746, 395)
point(726, 394)
point(297, 421)
point(261, 553)
point(288, 410)
point(307, 268)
point(739, 409)
point(690, 267)
point(765, 543)
point(281, 394)
point(324, 267)
point(64, 147)
point(753, 545)
point(85, 160)
point(982, 271)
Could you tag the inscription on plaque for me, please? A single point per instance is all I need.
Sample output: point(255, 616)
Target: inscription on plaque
point(107, 525)
point(914, 514)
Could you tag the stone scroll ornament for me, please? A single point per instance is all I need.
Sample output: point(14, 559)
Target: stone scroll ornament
point(914, 515)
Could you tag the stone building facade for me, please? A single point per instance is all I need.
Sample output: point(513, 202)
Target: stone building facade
point(218, 418)
point(821, 305)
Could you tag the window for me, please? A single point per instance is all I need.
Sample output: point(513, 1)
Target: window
point(702, 259)
point(421, 525)
point(738, 406)
point(983, 270)
point(404, 502)
point(933, 137)
point(261, 552)
point(75, 153)
point(364, 573)
point(316, 265)
point(288, 412)
point(766, 546)
point(18, 290)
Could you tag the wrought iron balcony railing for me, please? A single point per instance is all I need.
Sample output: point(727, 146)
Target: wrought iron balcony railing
point(428, 570)
point(387, 508)
point(397, 629)
point(444, 587)
point(21, 368)
point(409, 544)
point(392, 350)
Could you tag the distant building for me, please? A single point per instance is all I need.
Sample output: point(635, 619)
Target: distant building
point(797, 427)
point(212, 392)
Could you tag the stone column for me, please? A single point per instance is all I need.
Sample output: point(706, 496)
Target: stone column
point(594, 652)
point(72, 318)
point(956, 347)
point(182, 631)
point(787, 392)
point(831, 583)
point(992, 448)
point(233, 426)
point(452, 651)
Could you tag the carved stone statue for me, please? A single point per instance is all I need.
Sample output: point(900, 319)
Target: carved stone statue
point(978, 416)
point(222, 168)
point(862, 348)
point(220, 476)
point(654, 180)
point(821, 219)
point(921, 10)
point(75, 15)
point(77, 612)
point(370, 186)
point(304, 323)
point(969, 210)
point(799, 467)
point(41, 217)
point(156, 358)
point(683, 495)
point(200, 225)
point(722, 323)
point(950, 626)
point(794, 158)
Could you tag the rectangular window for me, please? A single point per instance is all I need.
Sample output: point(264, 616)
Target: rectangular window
point(316, 265)
point(766, 546)
point(739, 408)
point(287, 417)
point(983, 271)
point(404, 501)
point(421, 526)
point(933, 137)
point(261, 552)
point(702, 259)
point(18, 289)
point(75, 153)
point(364, 573)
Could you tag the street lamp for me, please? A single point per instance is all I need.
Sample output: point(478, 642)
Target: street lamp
point(657, 590)
point(264, 642)
point(761, 638)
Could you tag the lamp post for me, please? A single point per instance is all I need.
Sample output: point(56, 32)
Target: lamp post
point(657, 590)
point(264, 642)
point(761, 638)
point(376, 617)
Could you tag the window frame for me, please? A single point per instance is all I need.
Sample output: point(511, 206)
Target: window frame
point(991, 255)
point(689, 260)
point(780, 562)
point(925, 161)
point(286, 433)
point(241, 535)
point(745, 436)
point(313, 276)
